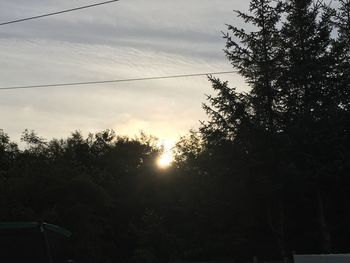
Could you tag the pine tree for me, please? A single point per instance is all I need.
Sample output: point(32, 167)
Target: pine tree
point(255, 54)
point(251, 121)
point(291, 119)
point(306, 44)
point(342, 55)
point(309, 95)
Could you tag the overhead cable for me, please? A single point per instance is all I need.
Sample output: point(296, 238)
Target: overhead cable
point(56, 13)
point(115, 81)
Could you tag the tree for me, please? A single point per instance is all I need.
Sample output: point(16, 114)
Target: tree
point(8, 153)
point(250, 122)
point(290, 128)
point(341, 50)
point(92, 186)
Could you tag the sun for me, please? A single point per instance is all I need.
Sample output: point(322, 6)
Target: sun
point(165, 160)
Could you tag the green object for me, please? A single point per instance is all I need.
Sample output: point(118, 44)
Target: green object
point(26, 225)
point(32, 242)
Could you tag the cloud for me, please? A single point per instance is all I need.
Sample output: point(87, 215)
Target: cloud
point(129, 39)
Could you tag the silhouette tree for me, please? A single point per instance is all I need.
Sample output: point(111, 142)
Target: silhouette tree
point(266, 175)
point(288, 130)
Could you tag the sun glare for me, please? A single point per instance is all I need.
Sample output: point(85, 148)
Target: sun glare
point(165, 160)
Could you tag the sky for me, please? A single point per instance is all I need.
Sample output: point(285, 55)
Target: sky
point(125, 39)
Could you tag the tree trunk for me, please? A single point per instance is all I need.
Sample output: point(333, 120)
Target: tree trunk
point(325, 233)
point(279, 229)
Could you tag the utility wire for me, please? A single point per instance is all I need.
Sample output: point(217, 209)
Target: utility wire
point(115, 81)
point(56, 13)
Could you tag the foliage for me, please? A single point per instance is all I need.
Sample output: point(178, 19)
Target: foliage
point(266, 175)
point(286, 136)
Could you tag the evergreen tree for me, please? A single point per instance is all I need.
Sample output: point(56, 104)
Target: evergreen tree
point(309, 98)
point(256, 55)
point(341, 52)
point(290, 127)
point(250, 123)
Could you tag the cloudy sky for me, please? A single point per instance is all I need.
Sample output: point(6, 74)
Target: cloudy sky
point(126, 39)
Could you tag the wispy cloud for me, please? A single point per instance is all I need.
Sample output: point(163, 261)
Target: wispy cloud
point(127, 39)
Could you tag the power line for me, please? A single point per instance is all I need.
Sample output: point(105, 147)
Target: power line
point(115, 81)
point(56, 13)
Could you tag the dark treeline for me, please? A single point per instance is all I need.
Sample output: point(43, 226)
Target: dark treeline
point(267, 175)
